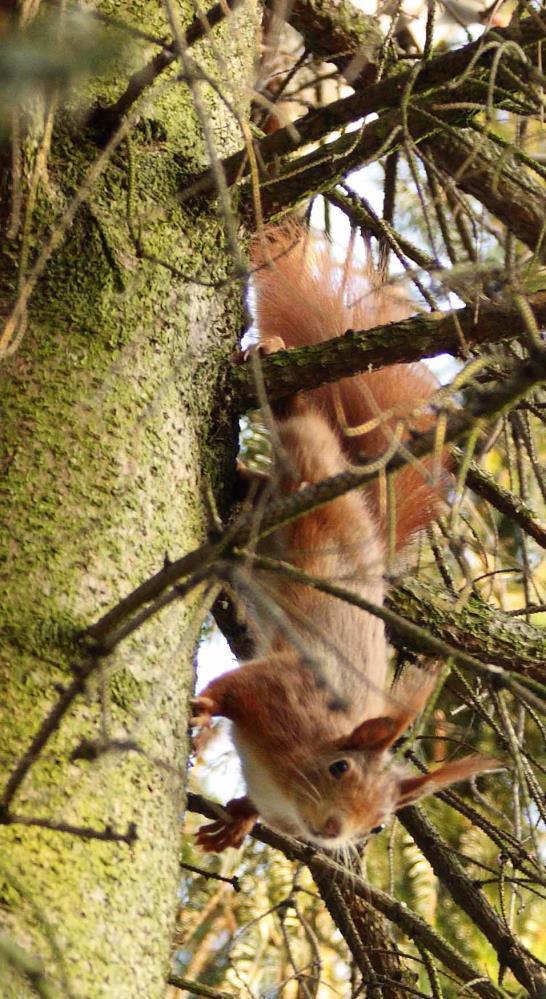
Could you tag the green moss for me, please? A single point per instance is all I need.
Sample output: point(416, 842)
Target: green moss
point(114, 415)
point(125, 690)
point(42, 636)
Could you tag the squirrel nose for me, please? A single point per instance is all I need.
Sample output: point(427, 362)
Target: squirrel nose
point(331, 828)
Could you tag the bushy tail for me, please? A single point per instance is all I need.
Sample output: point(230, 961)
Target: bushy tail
point(303, 295)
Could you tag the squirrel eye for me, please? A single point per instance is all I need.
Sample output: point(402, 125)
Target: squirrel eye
point(338, 768)
point(377, 829)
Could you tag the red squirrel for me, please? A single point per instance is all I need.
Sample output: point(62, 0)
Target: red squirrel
point(312, 718)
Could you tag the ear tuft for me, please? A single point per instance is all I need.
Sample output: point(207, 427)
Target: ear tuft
point(407, 698)
point(412, 691)
point(413, 788)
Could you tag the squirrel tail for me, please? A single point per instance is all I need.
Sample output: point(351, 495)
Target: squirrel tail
point(304, 295)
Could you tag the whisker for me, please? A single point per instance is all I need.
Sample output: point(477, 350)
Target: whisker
point(310, 784)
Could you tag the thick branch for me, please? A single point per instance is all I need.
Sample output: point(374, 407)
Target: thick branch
point(527, 969)
point(476, 628)
point(337, 31)
point(500, 182)
point(484, 632)
point(427, 335)
point(297, 179)
point(440, 71)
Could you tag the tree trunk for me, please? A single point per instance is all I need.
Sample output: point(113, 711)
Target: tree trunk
point(113, 429)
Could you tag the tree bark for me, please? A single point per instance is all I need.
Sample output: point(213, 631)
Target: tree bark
point(427, 335)
point(477, 628)
point(112, 407)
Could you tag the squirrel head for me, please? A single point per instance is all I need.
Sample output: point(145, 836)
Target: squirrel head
point(351, 785)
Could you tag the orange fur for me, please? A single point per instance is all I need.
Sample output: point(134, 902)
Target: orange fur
point(303, 297)
point(312, 719)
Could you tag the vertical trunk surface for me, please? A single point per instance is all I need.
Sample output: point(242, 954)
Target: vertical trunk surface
point(110, 407)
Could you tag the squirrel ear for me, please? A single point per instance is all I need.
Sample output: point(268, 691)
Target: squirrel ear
point(410, 789)
point(408, 697)
point(375, 733)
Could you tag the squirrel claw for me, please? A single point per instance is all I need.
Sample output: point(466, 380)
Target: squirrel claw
point(218, 835)
point(269, 345)
point(203, 709)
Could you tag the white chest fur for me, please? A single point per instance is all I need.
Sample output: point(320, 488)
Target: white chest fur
point(272, 804)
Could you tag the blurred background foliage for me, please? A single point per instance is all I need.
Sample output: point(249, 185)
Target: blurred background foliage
point(51, 55)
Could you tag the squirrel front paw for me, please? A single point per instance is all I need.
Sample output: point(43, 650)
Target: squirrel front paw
point(203, 708)
point(218, 835)
point(269, 345)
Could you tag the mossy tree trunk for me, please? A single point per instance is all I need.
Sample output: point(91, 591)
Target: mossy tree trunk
point(114, 428)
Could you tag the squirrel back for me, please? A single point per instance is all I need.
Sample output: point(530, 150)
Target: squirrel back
point(304, 296)
point(313, 719)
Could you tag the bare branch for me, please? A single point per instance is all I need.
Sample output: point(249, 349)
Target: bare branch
point(528, 970)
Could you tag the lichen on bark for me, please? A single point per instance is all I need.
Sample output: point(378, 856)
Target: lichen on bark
point(112, 408)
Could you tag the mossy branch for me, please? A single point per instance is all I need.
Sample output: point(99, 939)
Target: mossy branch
point(482, 631)
point(287, 372)
point(443, 70)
